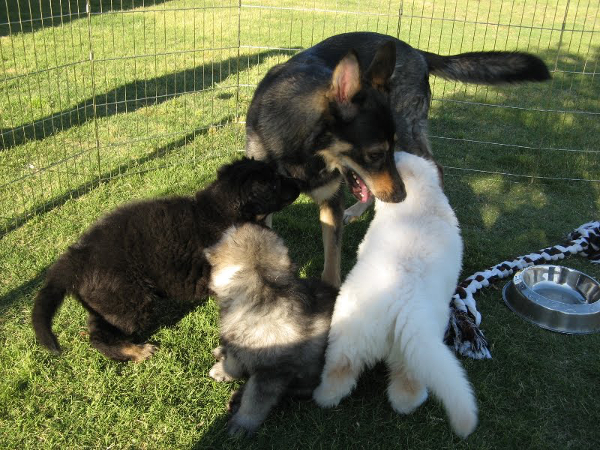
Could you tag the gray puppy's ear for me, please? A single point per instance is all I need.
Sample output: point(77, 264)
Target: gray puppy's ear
point(209, 253)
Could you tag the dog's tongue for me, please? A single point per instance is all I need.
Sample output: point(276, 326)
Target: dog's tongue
point(361, 191)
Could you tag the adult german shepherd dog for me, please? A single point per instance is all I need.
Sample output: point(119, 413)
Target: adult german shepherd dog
point(331, 112)
point(134, 265)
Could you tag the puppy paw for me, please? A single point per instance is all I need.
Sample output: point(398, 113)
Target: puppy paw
point(405, 401)
point(242, 426)
point(138, 353)
point(219, 353)
point(218, 373)
point(326, 396)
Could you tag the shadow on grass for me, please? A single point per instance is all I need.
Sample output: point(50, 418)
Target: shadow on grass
point(25, 16)
point(130, 97)
point(520, 210)
point(84, 188)
point(564, 115)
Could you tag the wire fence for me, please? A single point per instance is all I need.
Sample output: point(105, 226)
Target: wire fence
point(97, 89)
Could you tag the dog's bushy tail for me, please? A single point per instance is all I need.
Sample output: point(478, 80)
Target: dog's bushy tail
point(488, 67)
point(46, 304)
point(434, 364)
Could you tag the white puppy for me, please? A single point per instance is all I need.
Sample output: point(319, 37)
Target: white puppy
point(394, 304)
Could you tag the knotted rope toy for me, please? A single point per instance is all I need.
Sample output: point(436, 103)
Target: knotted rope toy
point(463, 333)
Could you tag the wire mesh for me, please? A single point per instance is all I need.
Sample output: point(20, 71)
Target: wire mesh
point(97, 89)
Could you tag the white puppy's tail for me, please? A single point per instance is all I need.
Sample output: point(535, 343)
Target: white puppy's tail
point(435, 366)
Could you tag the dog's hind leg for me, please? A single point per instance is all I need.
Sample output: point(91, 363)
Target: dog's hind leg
point(338, 379)
point(262, 391)
point(331, 215)
point(404, 391)
point(113, 343)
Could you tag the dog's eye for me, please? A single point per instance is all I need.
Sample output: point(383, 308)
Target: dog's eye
point(376, 156)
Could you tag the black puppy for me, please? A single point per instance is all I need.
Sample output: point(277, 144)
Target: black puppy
point(319, 116)
point(140, 258)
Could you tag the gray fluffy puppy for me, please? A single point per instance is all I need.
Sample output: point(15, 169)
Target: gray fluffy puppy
point(274, 325)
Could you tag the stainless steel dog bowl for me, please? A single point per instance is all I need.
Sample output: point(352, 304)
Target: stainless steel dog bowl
point(556, 298)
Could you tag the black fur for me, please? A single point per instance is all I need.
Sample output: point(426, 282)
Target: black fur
point(409, 91)
point(294, 117)
point(144, 256)
point(286, 123)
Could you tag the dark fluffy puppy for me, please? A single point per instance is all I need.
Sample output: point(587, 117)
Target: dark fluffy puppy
point(274, 325)
point(135, 262)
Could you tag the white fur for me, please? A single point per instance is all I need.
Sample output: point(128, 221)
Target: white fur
point(394, 304)
point(222, 278)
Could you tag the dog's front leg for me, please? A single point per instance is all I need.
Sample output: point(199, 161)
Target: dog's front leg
point(331, 215)
point(262, 391)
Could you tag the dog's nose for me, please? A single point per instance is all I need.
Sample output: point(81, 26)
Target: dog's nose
point(290, 189)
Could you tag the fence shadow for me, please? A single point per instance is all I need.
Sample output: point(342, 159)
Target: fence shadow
point(116, 171)
point(130, 97)
point(25, 16)
point(521, 215)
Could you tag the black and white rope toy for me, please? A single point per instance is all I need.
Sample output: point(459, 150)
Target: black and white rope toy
point(463, 333)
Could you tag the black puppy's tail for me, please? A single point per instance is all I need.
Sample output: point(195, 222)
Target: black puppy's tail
point(488, 67)
point(46, 304)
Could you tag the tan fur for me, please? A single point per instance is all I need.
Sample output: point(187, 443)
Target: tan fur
point(331, 244)
point(340, 372)
point(382, 185)
point(333, 154)
point(326, 191)
point(135, 353)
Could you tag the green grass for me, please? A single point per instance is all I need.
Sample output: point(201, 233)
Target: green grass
point(163, 111)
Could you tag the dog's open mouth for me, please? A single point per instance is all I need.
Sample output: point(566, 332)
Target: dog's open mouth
point(358, 187)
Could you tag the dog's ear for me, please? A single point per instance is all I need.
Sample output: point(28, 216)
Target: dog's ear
point(345, 81)
point(227, 169)
point(208, 254)
point(382, 66)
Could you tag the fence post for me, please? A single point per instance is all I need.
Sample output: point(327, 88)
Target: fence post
point(239, 44)
point(560, 38)
point(88, 10)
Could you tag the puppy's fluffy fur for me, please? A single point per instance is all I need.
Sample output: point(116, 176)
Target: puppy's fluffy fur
point(133, 265)
point(393, 305)
point(274, 325)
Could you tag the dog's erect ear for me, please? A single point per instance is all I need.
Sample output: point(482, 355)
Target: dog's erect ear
point(382, 66)
point(345, 82)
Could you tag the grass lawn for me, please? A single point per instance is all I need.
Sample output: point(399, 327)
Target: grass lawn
point(143, 99)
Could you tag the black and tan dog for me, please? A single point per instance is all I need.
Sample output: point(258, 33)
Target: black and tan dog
point(139, 261)
point(331, 111)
